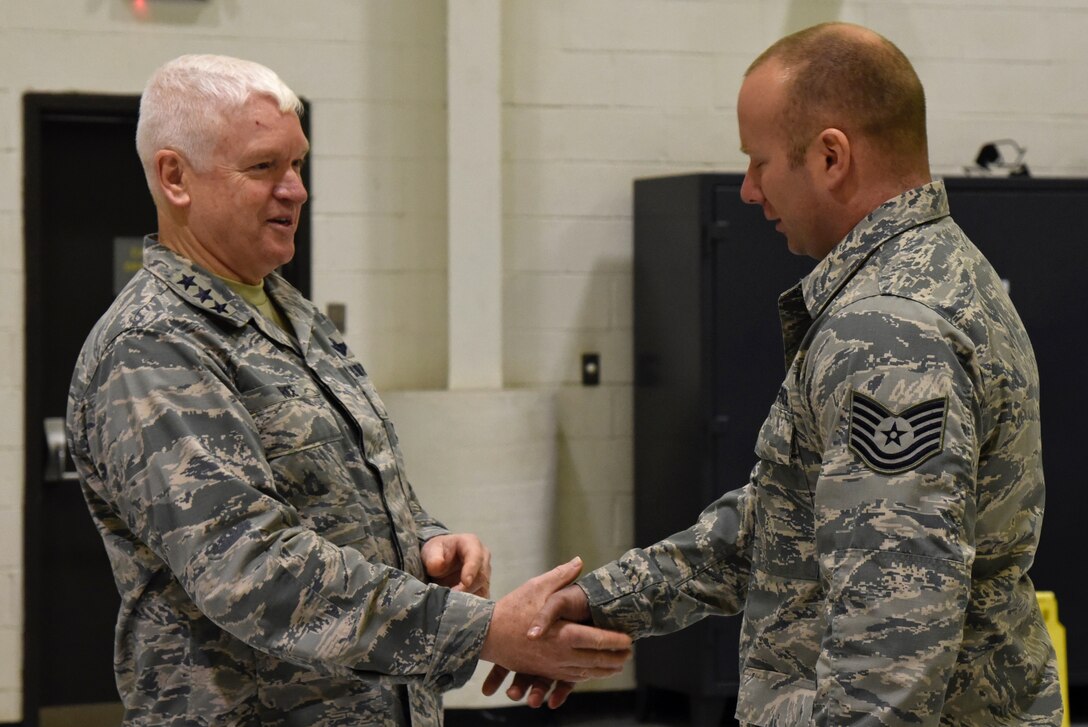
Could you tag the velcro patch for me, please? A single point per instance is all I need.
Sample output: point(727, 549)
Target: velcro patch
point(892, 442)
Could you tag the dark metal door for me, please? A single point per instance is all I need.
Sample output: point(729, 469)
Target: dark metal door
point(84, 188)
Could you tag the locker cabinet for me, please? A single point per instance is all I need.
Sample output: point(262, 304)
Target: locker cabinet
point(708, 270)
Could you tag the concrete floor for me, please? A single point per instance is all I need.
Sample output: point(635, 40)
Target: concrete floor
point(596, 709)
point(591, 709)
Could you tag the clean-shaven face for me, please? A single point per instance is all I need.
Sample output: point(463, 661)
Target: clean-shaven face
point(788, 194)
point(245, 206)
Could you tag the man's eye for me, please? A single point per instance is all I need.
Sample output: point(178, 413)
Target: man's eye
point(261, 166)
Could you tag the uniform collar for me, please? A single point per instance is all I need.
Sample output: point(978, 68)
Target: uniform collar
point(194, 284)
point(298, 311)
point(799, 306)
point(200, 288)
point(899, 214)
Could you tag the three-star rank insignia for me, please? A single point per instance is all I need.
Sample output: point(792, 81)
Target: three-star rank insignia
point(892, 442)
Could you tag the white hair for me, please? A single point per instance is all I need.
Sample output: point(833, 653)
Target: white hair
point(183, 105)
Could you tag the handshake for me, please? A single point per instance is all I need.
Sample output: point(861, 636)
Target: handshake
point(537, 631)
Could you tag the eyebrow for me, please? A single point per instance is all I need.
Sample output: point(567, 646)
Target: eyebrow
point(273, 151)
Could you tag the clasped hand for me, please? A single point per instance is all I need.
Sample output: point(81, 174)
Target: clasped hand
point(536, 631)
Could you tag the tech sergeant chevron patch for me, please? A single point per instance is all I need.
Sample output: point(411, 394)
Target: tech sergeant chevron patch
point(892, 442)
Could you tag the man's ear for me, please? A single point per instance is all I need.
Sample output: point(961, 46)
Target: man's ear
point(837, 156)
point(172, 174)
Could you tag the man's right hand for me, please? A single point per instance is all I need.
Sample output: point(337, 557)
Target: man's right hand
point(569, 604)
point(567, 651)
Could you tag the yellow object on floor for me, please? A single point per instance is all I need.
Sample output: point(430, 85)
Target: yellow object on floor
point(1048, 602)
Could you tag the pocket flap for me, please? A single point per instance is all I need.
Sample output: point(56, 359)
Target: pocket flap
point(775, 443)
point(770, 699)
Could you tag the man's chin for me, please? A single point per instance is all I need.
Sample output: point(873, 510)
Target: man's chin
point(794, 246)
point(283, 250)
point(275, 258)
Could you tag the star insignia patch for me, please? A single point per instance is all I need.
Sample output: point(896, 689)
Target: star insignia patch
point(892, 442)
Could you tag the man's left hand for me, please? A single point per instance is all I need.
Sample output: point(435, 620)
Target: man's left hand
point(458, 561)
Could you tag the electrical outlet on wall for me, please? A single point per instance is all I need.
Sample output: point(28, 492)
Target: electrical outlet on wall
point(591, 369)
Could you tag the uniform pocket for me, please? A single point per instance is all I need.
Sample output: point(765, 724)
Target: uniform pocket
point(770, 699)
point(291, 418)
point(785, 517)
point(775, 442)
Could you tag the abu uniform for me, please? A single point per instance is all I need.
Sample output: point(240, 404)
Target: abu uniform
point(880, 550)
point(250, 491)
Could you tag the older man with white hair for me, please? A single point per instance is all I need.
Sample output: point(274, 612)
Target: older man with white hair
point(274, 564)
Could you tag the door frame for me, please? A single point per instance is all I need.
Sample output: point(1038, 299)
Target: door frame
point(37, 108)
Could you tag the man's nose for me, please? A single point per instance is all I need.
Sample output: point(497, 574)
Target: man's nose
point(749, 191)
point(291, 187)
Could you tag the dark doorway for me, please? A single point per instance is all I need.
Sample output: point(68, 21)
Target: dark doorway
point(86, 209)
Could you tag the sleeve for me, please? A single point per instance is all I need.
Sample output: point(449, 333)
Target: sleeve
point(672, 584)
point(428, 526)
point(891, 386)
point(182, 461)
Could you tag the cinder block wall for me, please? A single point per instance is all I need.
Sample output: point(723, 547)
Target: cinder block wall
point(595, 92)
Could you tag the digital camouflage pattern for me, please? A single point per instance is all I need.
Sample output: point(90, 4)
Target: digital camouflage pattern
point(250, 492)
point(888, 587)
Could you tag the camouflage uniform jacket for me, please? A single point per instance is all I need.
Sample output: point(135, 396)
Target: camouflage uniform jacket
point(250, 491)
point(880, 550)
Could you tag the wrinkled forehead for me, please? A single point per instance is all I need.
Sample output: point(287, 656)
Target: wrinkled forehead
point(260, 122)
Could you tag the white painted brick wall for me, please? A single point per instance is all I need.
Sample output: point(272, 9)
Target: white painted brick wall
point(11, 402)
point(12, 286)
point(567, 244)
point(491, 473)
point(595, 94)
point(11, 436)
point(11, 594)
point(595, 504)
point(10, 669)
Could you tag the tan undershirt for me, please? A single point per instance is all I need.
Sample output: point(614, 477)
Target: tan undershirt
point(256, 297)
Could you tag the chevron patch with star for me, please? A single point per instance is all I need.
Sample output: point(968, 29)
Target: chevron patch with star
point(892, 442)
